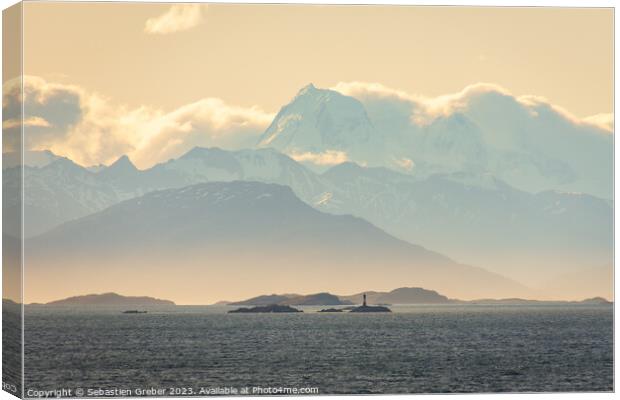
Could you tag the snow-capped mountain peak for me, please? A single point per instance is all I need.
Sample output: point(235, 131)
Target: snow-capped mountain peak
point(309, 88)
point(321, 120)
point(122, 164)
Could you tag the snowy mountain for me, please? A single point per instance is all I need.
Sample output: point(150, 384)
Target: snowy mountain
point(473, 217)
point(62, 190)
point(54, 193)
point(317, 121)
point(239, 235)
point(121, 168)
point(524, 142)
point(533, 146)
point(264, 165)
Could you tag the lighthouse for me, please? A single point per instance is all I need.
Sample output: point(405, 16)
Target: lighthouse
point(365, 308)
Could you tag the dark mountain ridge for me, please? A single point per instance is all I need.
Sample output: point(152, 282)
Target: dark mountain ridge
point(231, 233)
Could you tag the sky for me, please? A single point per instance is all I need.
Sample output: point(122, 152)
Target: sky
point(152, 80)
point(261, 54)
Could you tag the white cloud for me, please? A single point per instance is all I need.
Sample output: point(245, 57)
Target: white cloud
point(604, 121)
point(90, 129)
point(423, 109)
point(326, 158)
point(207, 122)
point(527, 141)
point(180, 17)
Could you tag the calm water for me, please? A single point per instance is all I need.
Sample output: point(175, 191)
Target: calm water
point(416, 349)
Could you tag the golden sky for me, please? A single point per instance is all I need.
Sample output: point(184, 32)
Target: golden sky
point(262, 55)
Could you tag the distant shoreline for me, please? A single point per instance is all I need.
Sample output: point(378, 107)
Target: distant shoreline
point(400, 296)
point(463, 303)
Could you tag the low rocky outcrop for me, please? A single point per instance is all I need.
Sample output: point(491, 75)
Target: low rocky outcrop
point(272, 308)
point(370, 309)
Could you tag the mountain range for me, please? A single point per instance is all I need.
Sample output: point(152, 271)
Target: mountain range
point(512, 186)
point(230, 237)
point(475, 218)
point(321, 299)
point(404, 295)
point(526, 143)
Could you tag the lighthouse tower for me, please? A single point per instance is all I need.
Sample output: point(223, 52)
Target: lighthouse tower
point(364, 304)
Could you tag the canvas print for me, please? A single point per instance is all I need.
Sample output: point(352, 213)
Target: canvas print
point(253, 199)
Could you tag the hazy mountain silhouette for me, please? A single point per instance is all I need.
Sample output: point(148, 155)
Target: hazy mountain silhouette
point(322, 299)
point(110, 299)
point(62, 190)
point(479, 219)
point(472, 217)
point(236, 236)
point(403, 295)
point(263, 300)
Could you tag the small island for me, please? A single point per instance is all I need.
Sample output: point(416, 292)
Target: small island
point(272, 308)
point(111, 300)
point(365, 308)
point(596, 300)
point(331, 310)
point(134, 312)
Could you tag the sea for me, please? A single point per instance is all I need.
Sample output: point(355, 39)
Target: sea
point(202, 350)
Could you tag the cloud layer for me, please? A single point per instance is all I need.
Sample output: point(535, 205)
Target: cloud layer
point(326, 158)
point(180, 17)
point(524, 140)
point(90, 129)
point(422, 109)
